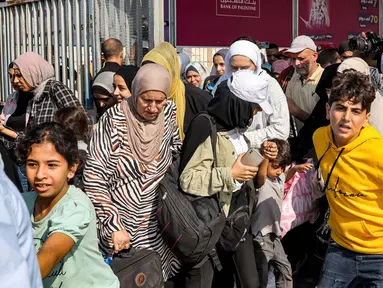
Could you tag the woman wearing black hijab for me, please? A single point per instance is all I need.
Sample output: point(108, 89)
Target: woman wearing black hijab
point(235, 103)
point(122, 82)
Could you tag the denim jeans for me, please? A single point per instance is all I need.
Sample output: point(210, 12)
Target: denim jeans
point(344, 268)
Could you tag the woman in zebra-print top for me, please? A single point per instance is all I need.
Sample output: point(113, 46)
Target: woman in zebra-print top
point(129, 153)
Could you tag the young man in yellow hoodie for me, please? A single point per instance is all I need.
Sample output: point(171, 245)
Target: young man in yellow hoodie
point(350, 154)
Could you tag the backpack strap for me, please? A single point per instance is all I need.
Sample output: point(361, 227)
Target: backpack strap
point(213, 135)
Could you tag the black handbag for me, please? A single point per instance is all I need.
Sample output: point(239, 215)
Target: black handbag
point(138, 269)
point(238, 221)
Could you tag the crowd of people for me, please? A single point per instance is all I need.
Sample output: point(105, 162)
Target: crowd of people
point(75, 193)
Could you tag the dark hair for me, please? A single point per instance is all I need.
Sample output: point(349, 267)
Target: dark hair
point(352, 86)
point(76, 119)
point(250, 39)
point(284, 157)
point(328, 57)
point(61, 137)
point(273, 46)
point(111, 47)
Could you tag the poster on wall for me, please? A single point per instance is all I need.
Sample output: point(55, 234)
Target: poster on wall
point(219, 22)
point(334, 21)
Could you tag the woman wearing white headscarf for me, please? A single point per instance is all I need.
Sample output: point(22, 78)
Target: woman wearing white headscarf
point(245, 55)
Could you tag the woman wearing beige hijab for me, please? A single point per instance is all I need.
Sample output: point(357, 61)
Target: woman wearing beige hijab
point(129, 153)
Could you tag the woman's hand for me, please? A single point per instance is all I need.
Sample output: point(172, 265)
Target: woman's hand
point(269, 150)
point(242, 172)
point(121, 240)
point(2, 128)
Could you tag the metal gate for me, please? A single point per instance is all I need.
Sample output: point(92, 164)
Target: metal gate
point(69, 33)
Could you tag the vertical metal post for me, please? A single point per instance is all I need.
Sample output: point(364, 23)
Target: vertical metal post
point(86, 53)
point(156, 26)
point(23, 28)
point(29, 27)
point(97, 33)
point(70, 45)
point(49, 30)
point(139, 40)
point(11, 39)
point(93, 29)
point(3, 66)
point(42, 29)
point(56, 43)
point(63, 43)
point(79, 53)
point(35, 33)
point(172, 22)
point(17, 31)
point(295, 19)
point(123, 24)
point(7, 46)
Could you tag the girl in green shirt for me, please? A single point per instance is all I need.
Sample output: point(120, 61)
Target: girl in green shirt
point(63, 218)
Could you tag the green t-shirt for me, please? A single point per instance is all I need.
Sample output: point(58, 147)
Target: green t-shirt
point(83, 266)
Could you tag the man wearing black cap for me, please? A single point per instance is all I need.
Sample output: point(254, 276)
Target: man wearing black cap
point(344, 50)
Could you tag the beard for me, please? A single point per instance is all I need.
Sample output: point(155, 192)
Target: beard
point(304, 70)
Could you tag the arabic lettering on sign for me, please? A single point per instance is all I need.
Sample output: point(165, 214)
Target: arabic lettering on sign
point(238, 8)
point(365, 4)
point(367, 19)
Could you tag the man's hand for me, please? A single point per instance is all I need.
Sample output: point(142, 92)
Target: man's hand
point(296, 111)
point(269, 150)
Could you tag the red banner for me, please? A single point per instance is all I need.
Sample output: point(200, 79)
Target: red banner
point(220, 22)
point(333, 21)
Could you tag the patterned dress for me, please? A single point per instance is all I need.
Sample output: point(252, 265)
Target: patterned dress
point(123, 190)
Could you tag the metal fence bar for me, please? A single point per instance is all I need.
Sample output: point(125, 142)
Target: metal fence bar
point(49, 30)
point(17, 31)
point(23, 28)
point(3, 68)
point(56, 40)
point(63, 57)
point(8, 47)
point(42, 30)
point(70, 46)
point(86, 53)
point(29, 27)
point(11, 38)
point(139, 29)
point(97, 46)
point(78, 52)
point(35, 27)
point(93, 29)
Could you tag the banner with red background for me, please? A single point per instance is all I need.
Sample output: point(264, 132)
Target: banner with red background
point(333, 21)
point(220, 22)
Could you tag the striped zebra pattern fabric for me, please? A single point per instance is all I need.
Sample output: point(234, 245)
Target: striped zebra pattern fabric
point(123, 190)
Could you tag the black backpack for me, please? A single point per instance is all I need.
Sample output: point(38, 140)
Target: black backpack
point(190, 225)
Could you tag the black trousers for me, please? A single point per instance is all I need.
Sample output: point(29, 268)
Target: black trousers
point(201, 277)
point(239, 267)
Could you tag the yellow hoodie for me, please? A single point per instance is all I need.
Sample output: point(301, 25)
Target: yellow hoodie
point(355, 188)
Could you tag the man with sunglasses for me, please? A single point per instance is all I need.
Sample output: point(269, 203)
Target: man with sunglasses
point(351, 160)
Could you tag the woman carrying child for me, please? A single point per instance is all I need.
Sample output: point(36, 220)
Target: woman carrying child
point(235, 103)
